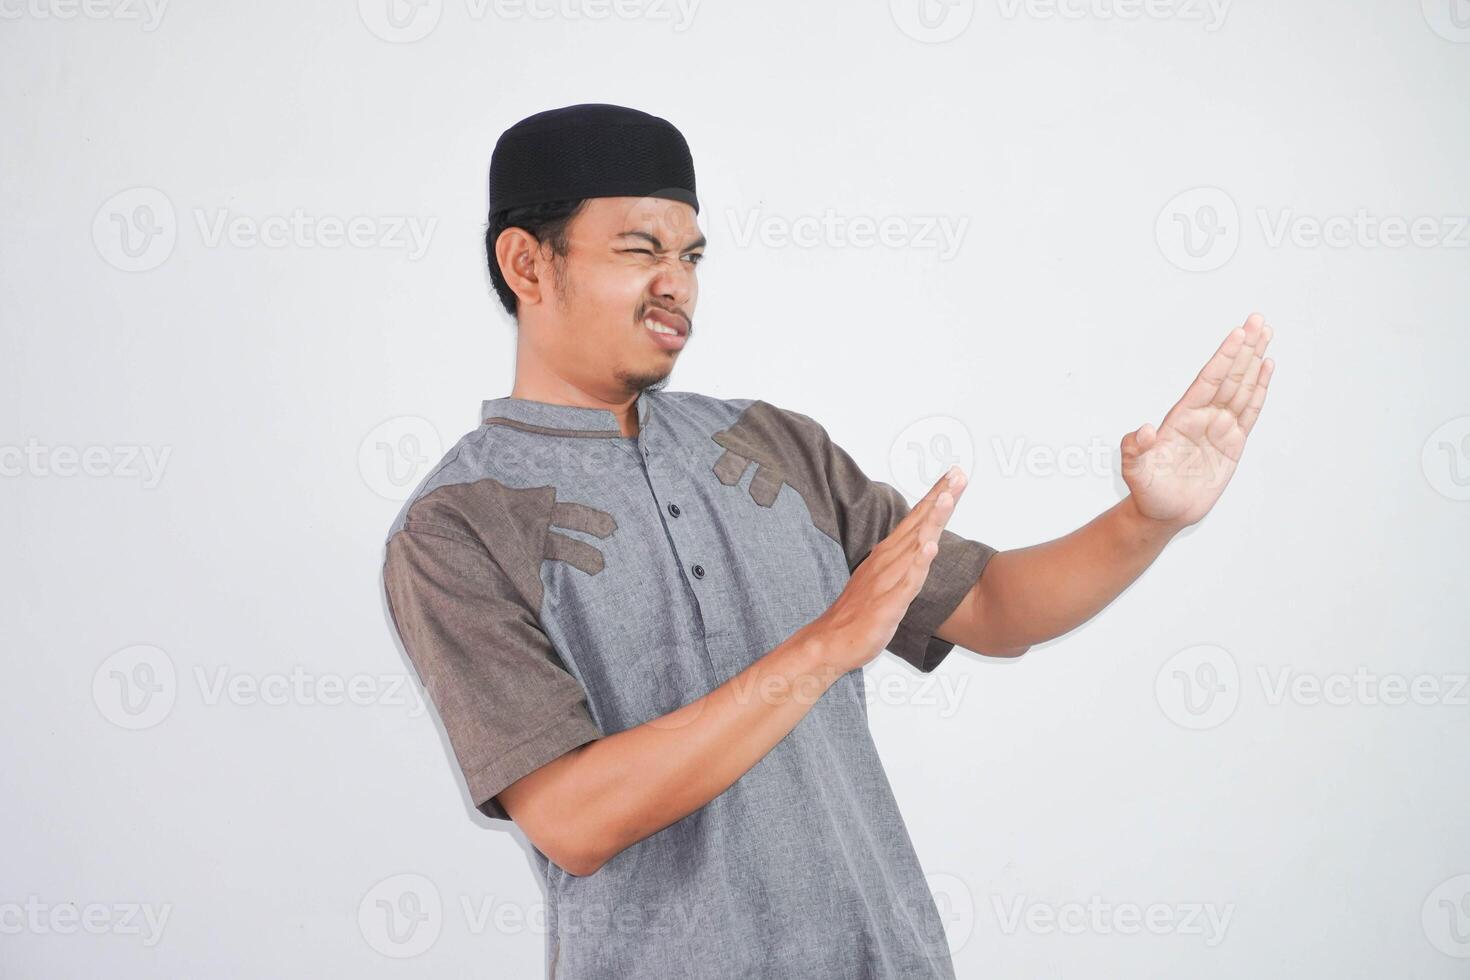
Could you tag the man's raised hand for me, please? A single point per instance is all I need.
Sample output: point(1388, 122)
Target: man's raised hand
point(857, 627)
point(1176, 473)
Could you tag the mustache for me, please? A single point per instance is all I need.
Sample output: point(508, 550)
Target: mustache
point(688, 319)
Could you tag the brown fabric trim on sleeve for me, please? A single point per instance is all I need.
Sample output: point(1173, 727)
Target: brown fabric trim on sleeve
point(545, 746)
point(507, 701)
point(856, 512)
point(953, 572)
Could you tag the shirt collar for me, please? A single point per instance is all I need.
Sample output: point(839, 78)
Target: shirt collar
point(567, 418)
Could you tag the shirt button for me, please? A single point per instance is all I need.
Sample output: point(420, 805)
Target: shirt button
point(674, 509)
point(698, 571)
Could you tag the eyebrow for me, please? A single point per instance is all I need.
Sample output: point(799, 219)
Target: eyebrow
point(658, 245)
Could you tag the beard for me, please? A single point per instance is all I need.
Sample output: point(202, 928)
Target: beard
point(633, 383)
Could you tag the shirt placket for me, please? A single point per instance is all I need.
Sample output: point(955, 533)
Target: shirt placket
point(689, 535)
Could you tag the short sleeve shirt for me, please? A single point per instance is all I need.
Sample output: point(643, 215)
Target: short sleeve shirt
point(554, 581)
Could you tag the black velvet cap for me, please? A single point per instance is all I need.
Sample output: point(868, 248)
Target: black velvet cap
point(590, 150)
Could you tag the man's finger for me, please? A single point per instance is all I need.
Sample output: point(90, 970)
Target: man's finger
point(952, 479)
point(1258, 397)
point(1254, 330)
point(1242, 396)
point(1207, 383)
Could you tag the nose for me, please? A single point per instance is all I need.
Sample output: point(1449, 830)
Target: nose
point(674, 283)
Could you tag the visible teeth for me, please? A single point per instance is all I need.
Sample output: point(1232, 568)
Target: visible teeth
point(657, 327)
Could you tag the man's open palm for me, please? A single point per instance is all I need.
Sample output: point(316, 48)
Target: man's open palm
point(1177, 472)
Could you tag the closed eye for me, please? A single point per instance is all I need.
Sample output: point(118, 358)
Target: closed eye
point(694, 257)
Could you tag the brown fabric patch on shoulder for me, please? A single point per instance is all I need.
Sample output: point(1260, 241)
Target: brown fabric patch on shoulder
point(514, 526)
point(578, 517)
point(787, 450)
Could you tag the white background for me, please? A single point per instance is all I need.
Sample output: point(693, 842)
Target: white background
point(1054, 800)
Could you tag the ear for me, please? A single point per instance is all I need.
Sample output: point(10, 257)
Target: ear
point(523, 263)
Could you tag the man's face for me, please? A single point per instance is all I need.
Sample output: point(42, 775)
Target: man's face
point(629, 274)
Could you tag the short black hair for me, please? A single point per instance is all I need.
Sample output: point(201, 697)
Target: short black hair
point(547, 223)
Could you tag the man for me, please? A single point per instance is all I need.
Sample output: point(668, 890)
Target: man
point(643, 614)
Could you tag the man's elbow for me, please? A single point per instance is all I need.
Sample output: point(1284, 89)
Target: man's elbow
point(581, 862)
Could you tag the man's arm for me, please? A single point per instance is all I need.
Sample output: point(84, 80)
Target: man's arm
point(1174, 475)
point(1029, 595)
point(592, 802)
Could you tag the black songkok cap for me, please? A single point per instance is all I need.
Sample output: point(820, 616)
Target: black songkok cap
point(590, 150)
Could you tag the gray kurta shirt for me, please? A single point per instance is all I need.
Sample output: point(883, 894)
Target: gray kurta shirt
point(554, 582)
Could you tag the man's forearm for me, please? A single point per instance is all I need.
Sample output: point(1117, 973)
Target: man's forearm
point(1030, 595)
point(615, 791)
